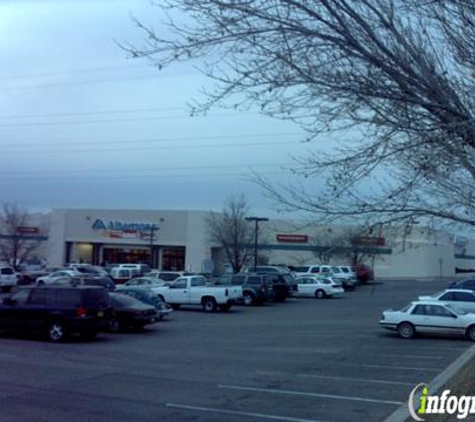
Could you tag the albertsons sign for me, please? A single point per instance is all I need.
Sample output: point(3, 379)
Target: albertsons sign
point(115, 225)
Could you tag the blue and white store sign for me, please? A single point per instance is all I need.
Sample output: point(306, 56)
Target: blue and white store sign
point(115, 225)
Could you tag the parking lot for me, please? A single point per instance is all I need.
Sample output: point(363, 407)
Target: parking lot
point(303, 360)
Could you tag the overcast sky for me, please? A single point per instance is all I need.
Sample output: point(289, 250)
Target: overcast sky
point(83, 126)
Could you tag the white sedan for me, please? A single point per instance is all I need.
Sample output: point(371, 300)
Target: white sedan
point(429, 317)
point(461, 298)
point(56, 275)
point(319, 287)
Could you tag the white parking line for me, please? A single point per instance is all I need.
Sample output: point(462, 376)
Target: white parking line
point(408, 368)
point(238, 413)
point(406, 356)
point(327, 377)
point(302, 393)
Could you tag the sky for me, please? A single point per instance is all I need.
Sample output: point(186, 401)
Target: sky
point(84, 126)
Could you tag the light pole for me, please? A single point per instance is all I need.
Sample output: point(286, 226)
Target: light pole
point(256, 231)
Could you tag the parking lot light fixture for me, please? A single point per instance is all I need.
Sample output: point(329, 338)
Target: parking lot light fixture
point(256, 235)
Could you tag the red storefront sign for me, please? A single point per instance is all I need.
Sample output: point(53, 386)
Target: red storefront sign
point(292, 238)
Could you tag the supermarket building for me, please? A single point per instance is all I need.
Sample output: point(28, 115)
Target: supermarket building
point(178, 240)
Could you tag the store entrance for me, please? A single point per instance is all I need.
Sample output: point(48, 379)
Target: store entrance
point(126, 256)
point(173, 259)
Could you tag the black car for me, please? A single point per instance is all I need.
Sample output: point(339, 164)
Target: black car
point(130, 312)
point(146, 295)
point(466, 283)
point(57, 311)
point(256, 288)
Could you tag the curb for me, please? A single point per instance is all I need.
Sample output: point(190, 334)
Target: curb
point(402, 414)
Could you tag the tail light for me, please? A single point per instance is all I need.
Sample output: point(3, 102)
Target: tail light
point(81, 312)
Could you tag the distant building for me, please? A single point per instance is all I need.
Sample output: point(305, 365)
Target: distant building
point(178, 240)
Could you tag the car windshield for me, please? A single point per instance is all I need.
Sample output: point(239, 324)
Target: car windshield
point(336, 270)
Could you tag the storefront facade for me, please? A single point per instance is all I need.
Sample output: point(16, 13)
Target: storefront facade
point(169, 240)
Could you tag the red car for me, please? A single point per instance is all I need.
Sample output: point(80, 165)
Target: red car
point(364, 273)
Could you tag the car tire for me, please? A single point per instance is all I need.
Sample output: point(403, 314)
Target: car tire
point(248, 299)
point(406, 330)
point(209, 304)
point(320, 294)
point(114, 325)
point(40, 283)
point(471, 332)
point(56, 331)
point(224, 308)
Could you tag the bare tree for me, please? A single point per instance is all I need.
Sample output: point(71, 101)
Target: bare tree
point(393, 78)
point(15, 246)
point(230, 230)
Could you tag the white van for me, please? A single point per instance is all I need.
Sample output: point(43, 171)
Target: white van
point(8, 277)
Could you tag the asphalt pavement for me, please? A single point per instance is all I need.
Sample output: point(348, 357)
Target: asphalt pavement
point(302, 360)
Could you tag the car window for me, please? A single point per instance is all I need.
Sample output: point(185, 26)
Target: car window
point(238, 280)
point(179, 283)
point(21, 296)
point(315, 270)
point(326, 270)
point(168, 276)
point(39, 297)
point(301, 269)
point(254, 280)
point(345, 269)
point(336, 269)
point(464, 297)
point(123, 300)
point(419, 310)
point(7, 271)
point(198, 282)
point(435, 310)
point(68, 297)
point(447, 296)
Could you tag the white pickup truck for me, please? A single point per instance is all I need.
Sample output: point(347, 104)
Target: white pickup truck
point(192, 290)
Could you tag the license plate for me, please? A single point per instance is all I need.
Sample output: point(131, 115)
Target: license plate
point(100, 314)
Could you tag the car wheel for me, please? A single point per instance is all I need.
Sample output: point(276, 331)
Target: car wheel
point(406, 330)
point(320, 294)
point(209, 305)
point(56, 331)
point(40, 283)
point(114, 325)
point(249, 299)
point(225, 308)
point(471, 332)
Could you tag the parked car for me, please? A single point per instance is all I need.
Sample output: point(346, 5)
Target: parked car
point(429, 317)
point(346, 278)
point(52, 277)
point(141, 268)
point(122, 275)
point(280, 274)
point(105, 282)
point(57, 311)
point(130, 312)
point(319, 287)
point(466, 283)
point(145, 281)
point(256, 288)
point(167, 276)
point(364, 273)
point(148, 296)
point(461, 298)
point(8, 278)
point(192, 290)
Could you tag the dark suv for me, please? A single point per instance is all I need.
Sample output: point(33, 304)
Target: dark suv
point(256, 288)
point(57, 311)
